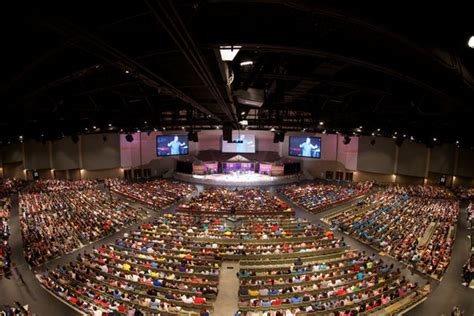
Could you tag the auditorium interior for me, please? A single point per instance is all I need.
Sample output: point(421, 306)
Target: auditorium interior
point(237, 158)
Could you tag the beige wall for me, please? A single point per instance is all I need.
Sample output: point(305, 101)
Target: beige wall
point(372, 176)
point(102, 173)
point(14, 170)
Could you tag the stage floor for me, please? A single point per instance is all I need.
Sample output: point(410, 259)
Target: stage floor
point(250, 179)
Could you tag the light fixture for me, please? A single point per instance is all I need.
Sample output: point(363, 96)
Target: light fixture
point(404, 135)
point(412, 138)
point(164, 128)
point(360, 127)
point(378, 129)
point(110, 124)
point(321, 123)
point(182, 127)
point(127, 72)
point(228, 53)
point(470, 42)
point(217, 127)
point(272, 129)
point(373, 134)
point(242, 113)
point(457, 142)
point(435, 139)
point(155, 130)
point(86, 129)
point(246, 63)
point(324, 132)
point(94, 127)
point(244, 122)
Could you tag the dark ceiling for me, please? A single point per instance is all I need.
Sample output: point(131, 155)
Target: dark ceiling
point(385, 66)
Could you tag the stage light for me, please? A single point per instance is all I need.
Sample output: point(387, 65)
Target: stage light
point(470, 42)
point(246, 63)
point(129, 138)
point(228, 53)
point(346, 140)
point(321, 123)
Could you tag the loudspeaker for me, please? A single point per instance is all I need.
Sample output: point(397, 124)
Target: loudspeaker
point(227, 132)
point(193, 136)
point(278, 137)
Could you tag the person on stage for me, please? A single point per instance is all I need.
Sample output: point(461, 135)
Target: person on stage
point(308, 148)
point(175, 145)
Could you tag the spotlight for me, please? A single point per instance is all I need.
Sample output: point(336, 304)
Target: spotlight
point(346, 140)
point(228, 53)
point(246, 63)
point(470, 43)
point(129, 138)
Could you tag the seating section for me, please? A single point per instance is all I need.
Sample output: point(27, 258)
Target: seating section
point(157, 193)
point(418, 229)
point(5, 250)
point(10, 186)
point(58, 217)
point(225, 201)
point(344, 283)
point(319, 197)
point(171, 266)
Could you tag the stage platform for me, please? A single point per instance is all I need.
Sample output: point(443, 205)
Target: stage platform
point(250, 179)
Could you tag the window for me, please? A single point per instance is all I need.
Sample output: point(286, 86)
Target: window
point(349, 176)
point(147, 173)
point(137, 173)
point(127, 174)
point(329, 175)
point(339, 175)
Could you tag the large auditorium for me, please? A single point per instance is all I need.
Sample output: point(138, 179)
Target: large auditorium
point(236, 158)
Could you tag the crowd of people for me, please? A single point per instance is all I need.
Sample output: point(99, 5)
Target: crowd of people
point(158, 193)
point(10, 186)
point(57, 217)
point(424, 191)
point(235, 202)
point(172, 265)
point(417, 229)
point(5, 250)
point(316, 197)
point(352, 285)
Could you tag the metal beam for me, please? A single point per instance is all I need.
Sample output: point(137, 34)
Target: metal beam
point(170, 20)
point(120, 60)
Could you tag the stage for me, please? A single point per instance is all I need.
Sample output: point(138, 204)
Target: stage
point(236, 179)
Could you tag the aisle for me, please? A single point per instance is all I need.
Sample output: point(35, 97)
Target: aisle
point(450, 291)
point(227, 301)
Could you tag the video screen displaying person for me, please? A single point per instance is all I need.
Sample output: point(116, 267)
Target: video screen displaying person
point(243, 143)
point(305, 146)
point(172, 145)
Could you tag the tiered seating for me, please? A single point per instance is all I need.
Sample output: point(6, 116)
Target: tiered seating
point(10, 186)
point(223, 201)
point(346, 283)
point(60, 216)
point(319, 197)
point(426, 191)
point(416, 229)
point(5, 250)
point(157, 193)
